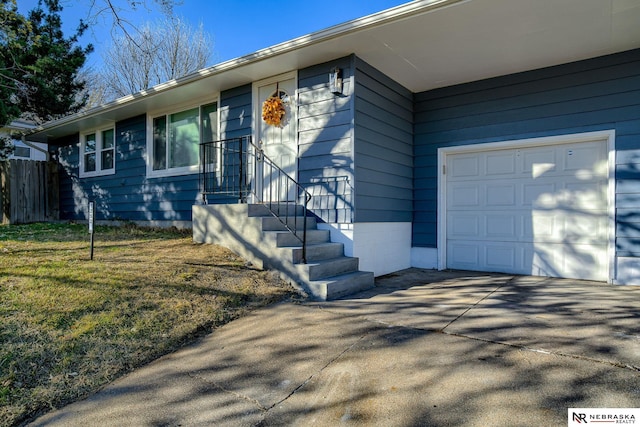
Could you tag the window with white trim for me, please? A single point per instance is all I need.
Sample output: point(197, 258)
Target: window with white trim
point(174, 143)
point(98, 153)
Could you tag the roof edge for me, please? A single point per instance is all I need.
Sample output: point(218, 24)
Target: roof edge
point(396, 13)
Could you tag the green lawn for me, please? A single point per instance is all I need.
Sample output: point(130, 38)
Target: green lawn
point(68, 325)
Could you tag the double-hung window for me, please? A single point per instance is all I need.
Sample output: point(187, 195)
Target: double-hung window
point(98, 153)
point(174, 142)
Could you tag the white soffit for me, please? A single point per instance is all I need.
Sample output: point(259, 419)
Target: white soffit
point(479, 39)
point(423, 45)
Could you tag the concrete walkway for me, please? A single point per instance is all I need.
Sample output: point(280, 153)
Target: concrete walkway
point(423, 348)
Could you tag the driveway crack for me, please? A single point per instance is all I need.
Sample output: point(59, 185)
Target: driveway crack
point(547, 352)
point(319, 371)
point(474, 305)
point(231, 392)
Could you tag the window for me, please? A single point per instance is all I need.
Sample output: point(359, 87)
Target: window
point(97, 151)
point(21, 151)
point(175, 141)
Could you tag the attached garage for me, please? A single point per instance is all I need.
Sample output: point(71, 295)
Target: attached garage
point(536, 207)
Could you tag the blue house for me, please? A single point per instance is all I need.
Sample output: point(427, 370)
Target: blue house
point(494, 135)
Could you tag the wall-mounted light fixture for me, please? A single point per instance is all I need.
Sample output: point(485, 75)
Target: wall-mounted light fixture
point(335, 81)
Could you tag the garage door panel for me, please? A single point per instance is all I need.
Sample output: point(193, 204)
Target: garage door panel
point(465, 166)
point(586, 262)
point(464, 255)
point(500, 163)
point(501, 257)
point(463, 226)
point(585, 228)
point(500, 226)
point(587, 156)
point(583, 195)
point(539, 195)
point(578, 227)
point(537, 162)
point(542, 226)
point(530, 210)
point(498, 194)
point(464, 195)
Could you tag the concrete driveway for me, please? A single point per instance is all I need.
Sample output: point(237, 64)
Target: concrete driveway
point(423, 348)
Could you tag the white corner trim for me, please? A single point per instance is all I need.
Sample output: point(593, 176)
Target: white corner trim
point(611, 204)
point(382, 247)
point(424, 257)
point(628, 271)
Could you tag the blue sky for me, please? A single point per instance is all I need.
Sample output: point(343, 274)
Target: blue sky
point(238, 27)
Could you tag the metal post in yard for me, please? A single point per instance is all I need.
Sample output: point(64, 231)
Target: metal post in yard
point(92, 220)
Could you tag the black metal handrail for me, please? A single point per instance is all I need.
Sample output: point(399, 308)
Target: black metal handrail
point(239, 169)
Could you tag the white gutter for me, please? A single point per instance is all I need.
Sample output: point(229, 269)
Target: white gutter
point(400, 12)
point(23, 139)
point(23, 128)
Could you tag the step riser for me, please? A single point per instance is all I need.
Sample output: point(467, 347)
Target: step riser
point(330, 268)
point(318, 252)
point(295, 223)
point(342, 287)
point(283, 210)
point(313, 236)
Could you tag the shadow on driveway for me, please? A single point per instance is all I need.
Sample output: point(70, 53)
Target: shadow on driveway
point(423, 348)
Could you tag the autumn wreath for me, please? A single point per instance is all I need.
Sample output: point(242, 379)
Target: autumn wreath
point(273, 111)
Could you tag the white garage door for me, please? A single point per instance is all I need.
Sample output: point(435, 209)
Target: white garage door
point(536, 210)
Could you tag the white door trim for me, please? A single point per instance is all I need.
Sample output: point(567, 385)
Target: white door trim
point(606, 135)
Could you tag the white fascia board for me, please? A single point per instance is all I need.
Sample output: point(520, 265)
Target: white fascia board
point(380, 18)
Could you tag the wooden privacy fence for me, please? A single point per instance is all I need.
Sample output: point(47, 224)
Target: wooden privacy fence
point(28, 191)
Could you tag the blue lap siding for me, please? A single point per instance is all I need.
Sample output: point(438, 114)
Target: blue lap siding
point(355, 148)
point(128, 194)
point(325, 140)
point(596, 94)
point(235, 112)
point(383, 128)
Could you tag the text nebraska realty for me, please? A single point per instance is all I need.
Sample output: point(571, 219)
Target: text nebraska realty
point(603, 418)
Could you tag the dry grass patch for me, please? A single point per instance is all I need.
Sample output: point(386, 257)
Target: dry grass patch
point(69, 325)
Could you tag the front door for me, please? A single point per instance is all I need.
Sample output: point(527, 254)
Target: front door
point(278, 142)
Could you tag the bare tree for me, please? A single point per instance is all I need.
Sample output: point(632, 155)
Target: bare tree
point(155, 54)
point(118, 14)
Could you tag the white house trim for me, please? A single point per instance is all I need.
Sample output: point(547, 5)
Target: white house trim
point(381, 247)
point(424, 258)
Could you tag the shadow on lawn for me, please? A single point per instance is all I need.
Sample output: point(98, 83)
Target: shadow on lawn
point(452, 348)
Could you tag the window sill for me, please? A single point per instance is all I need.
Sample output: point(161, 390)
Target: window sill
point(97, 173)
point(190, 170)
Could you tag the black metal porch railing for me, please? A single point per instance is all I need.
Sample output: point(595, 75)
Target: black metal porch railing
point(238, 169)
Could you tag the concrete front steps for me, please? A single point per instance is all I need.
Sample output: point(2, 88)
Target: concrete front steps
point(251, 231)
